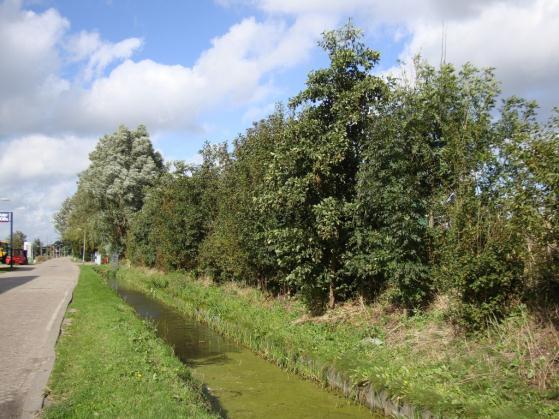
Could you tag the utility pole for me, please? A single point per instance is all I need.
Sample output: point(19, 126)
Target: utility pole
point(83, 253)
point(11, 241)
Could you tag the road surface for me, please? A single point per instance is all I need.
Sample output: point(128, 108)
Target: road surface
point(33, 300)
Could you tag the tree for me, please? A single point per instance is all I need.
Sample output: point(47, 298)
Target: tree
point(368, 185)
point(62, 218)
point(177, 213)
point(37, 247)
point(528, 192)
point(311, 185)
point(18, 239)
point(235, 248)
point(123, 165)
point(79, 219)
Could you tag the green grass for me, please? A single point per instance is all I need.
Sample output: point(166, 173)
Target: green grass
point(420, 360)
point(109, 363)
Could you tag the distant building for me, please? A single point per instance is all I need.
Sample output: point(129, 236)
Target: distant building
point(28, 248)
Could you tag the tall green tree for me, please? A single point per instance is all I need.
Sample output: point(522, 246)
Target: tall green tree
point(407, 187)
point(528, 179)
point(311, 185)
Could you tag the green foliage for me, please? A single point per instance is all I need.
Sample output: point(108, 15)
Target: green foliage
point(175, 218)
point(311, 179)
point(37, 246)
point(235, 247)
point(482, 264)
point(366, 186)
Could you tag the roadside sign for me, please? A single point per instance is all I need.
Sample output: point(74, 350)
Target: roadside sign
point(4, 217)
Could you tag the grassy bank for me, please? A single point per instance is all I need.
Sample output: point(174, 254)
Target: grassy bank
point(510, 371)
point(111, 364)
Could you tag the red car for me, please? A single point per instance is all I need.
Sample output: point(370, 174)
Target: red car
point(19, 257)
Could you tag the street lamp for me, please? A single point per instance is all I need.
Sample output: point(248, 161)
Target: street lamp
point(83, 252)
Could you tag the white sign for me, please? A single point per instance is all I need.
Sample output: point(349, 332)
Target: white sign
point(4, 217)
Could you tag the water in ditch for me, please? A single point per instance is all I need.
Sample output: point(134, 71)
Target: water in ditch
point(240, 384)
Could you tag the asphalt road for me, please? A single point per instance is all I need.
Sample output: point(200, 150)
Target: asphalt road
point(33, 300)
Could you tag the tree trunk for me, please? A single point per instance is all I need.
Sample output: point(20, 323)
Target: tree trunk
point(331, 299)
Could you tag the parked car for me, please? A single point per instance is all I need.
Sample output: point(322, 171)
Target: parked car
point(20, 257)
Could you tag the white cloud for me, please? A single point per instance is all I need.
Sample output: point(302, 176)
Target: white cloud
point(34, 204)
point(518, 37)
point(234, 71)
point(38, 173)
point(110, 88)
point(28, 47)
point(98, 53)
point(41, 157)
point(29, 80)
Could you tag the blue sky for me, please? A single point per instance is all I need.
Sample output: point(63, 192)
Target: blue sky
point(204, 70)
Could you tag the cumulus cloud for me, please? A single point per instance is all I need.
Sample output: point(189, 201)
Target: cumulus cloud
point(517, 37)
point(110, 88)
point(41, 157)
point(99, 54)
point(28, 47)
point(39, 172)
point(34, 203)
point(29, 72)
point(233, 70)
point(163, 96)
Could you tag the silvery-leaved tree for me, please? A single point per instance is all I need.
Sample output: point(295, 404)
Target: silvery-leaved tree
point(123, 165)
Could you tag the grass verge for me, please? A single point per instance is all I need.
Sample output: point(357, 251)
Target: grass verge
point(109, 363)
point(508, 372)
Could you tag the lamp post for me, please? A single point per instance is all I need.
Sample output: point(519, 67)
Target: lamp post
point(83, 250)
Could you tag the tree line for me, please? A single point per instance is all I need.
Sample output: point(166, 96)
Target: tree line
point(363, 186)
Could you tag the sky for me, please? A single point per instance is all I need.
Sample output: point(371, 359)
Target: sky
point(204, 70)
